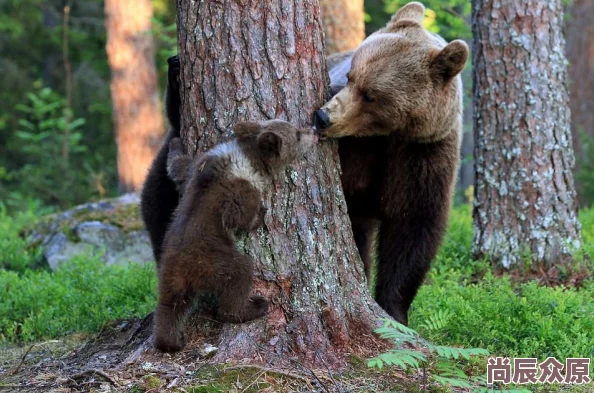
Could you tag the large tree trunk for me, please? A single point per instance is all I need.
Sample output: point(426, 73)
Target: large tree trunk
point(580, 53)
point(344, 27)
point(262, 60)
point(134, 89)
point(525, 200)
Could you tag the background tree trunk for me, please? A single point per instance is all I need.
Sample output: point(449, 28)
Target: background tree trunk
point(580, 53)
point(525, 200)
point(262, 60)
point(344, 27)
point(134, 90)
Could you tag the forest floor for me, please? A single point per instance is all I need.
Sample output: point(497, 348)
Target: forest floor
point(121, 358)
point(55, 334)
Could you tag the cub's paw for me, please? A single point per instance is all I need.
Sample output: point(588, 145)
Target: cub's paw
point(259, 221)
point(258, 306)
point(254, 308)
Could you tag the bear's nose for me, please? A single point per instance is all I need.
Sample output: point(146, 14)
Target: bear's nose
point(321, 120)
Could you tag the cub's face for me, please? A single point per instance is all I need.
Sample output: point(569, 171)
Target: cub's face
point(275, 142)
point(402, 81)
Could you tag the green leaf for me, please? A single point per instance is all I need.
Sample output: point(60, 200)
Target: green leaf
point(27, 124)
point(77, 123)
point(459, 383)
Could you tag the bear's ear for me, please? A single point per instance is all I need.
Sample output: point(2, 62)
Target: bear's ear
point(270, 144)
point(411, 14)
point(246, 129)
point(450, 61)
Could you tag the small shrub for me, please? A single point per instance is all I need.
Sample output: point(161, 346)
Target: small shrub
point(55, 166)
point(444, 360)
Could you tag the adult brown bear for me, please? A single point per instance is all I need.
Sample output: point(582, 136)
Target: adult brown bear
point(399, 117)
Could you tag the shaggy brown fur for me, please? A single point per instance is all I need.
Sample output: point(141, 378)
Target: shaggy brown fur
point(159, 196)
point(404, 96)
point(221, 194)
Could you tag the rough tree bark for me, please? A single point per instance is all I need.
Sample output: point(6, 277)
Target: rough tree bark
point(344, 27)
point(134, 89)
point(525, 200)
point(580, 53)
point(261, 60)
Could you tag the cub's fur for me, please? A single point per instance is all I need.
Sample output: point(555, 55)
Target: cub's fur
point(398, 112)
point(159, 196)
point(221, 194)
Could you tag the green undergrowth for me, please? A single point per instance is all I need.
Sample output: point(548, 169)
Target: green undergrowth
point(508, 318)
point(81, 296)
point(477, 308)
point(15, 252)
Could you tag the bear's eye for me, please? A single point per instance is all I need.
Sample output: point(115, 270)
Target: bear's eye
point(366, 97)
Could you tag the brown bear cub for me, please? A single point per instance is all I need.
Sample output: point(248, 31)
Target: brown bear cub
point(220, 194)
point(159, 196)
point(398, 112)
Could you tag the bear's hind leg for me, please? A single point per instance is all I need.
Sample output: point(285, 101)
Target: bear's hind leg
point(174, 302)
point(405, 250)
point(235, 303)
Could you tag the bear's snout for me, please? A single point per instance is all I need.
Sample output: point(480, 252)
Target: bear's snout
point(321, 120)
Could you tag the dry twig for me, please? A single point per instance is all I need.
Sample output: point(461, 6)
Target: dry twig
point(93, 371)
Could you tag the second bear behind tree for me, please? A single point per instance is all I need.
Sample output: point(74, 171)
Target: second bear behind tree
point(220, 194)
point(399, 117)
point(159, 196)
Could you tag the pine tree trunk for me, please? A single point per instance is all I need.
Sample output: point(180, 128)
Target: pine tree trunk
point(580, 53)
point(261, 60)
point(344, 27)
point(134, 90)
point(525, 200)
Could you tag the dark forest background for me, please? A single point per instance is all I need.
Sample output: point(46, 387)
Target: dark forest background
point(57, 145)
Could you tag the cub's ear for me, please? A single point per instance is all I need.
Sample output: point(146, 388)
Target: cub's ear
point(270, 144)
point(450, 61)
point(246, 129)
point(411, 14)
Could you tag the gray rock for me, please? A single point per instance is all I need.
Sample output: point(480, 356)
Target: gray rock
point(112, 229)
point(59, 250)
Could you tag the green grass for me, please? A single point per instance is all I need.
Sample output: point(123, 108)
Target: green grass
point(82, 296)
point(520, 320)
point(481, 310)
point(14, 251)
